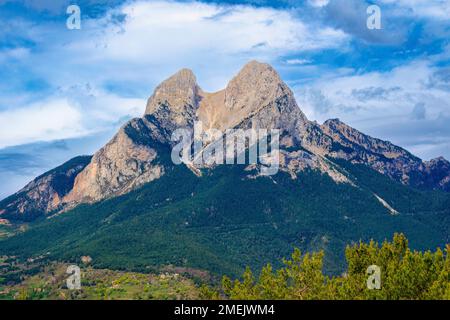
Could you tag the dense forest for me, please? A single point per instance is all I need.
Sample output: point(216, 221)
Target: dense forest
point(229, 218)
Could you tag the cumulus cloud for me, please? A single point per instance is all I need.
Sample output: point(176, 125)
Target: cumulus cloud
point(172, 32)
point(80, 114)
point(13, 54)
point(138, 43)
point(298, 61)
point(351, 16)
point(53, 120)
point(314, 102)
point(318, 3)
point(103, 73)
point(406, 105)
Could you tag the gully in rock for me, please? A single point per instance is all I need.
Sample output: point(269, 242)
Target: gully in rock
point(213, 147)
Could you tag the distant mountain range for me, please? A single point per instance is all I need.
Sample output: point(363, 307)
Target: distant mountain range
point(129, 206)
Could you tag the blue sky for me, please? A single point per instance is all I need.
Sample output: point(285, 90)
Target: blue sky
point(65, 92)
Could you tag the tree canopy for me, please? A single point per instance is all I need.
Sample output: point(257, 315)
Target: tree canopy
point(404, 274)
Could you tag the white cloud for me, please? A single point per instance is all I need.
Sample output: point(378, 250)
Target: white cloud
point(171, 32)
point(384, 104)
point(298, 61)
point(14, 54)
point(134, 47)
point(396, 92)
point(100, 108)
point(74, 112)
point(318, 3)
point(52, 120)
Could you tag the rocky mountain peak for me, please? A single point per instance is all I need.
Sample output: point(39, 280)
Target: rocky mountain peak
point(256, 85)
point(256, 97)
point(256, 76)
point(45, 193)
point(173, 105)
point(439, 160)
point(177, 91)
point(333, 122)
point(437, 173)
point(348, 136)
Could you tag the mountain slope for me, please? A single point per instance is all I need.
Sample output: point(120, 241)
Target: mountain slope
point(129, 206)
point(221, 222)
point(45, 193)
point(393, 161)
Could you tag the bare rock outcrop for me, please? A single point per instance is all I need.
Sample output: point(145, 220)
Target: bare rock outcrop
point(173, 105)
point(45, 193)
point(383, 156)
point(125, 163)
point(255, 98)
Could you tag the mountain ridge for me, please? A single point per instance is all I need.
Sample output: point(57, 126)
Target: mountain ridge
point(255, 98)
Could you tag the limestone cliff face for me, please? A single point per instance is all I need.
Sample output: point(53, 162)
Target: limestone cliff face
point(255, 98)
point(125, 163)
point(173, 105)
point(130, 159)
point(45, 193)
point(352, 145)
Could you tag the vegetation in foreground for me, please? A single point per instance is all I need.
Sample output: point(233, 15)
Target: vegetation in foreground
point(101, 284)
point(405, 274)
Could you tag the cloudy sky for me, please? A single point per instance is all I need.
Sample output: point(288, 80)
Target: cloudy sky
point(64, 92)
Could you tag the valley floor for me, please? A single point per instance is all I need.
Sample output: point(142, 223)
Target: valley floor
point(35, 281)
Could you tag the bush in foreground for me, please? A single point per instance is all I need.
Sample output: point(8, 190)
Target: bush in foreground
point(405, 274)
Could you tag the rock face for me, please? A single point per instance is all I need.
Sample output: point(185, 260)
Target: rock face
point(352, 145)
point(255, 98)
point(126, 162)
point(400, 165)
point(435, 174)
point(45, 193)
point(173, 105)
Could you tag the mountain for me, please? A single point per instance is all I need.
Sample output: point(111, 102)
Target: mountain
point(130, 206)
point(386, 158)
point(45, 193)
